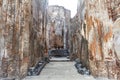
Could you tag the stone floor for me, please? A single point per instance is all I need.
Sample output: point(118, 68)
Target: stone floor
point(60, 71)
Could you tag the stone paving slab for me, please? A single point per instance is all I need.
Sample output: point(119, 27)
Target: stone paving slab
point(59, 71)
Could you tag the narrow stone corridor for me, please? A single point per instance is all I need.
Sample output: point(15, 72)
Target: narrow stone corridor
point(33, 31)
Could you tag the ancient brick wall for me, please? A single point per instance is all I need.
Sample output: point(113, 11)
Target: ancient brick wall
point(38, 30)
point(97, 29)
point(18, 37)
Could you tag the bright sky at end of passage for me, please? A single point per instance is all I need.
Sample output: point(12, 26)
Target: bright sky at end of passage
point(68, 4)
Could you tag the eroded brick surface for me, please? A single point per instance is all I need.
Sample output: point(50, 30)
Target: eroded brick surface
point(19, 40)
point(97, 23)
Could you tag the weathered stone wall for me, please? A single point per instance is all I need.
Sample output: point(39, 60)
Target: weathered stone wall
point(15, 18)
point(96, 39)
point(57, 27)
point(19, 43)
point(38, 31)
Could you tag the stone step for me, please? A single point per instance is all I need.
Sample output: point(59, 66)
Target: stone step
point(59, 59)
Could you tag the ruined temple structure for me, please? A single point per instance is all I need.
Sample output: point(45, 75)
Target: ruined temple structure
point(30, 28)
point(58, 27)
